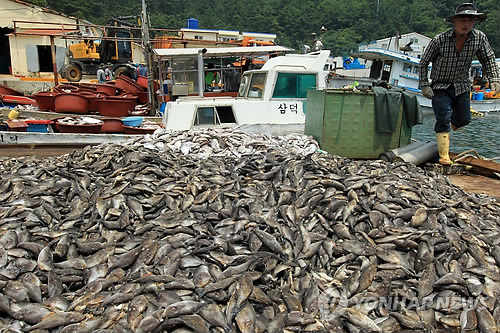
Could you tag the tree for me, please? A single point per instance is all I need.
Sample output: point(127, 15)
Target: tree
point(348, 22)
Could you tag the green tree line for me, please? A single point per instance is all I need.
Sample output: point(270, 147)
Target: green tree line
point(348, 22)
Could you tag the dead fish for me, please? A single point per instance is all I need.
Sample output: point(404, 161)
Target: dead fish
point(46, 259)
point(182, 308)
point(29, 313)
point(427, 281)
point(151, 322)
point(245, 233)
point(361, 320)
point(33, 286)
point(245, 319)
point(485, 321)
point(212, 314)
point(53, 320)
point(86, 326)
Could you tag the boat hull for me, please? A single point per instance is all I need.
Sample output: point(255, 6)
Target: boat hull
point(75, 139)
point(489, 105)
point(275, 117)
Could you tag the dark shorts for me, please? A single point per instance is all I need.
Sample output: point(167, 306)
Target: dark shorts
point(449, 108)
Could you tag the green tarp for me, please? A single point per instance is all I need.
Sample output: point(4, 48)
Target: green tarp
point(388, 103)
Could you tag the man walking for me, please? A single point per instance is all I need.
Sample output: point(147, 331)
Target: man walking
point(451, 54)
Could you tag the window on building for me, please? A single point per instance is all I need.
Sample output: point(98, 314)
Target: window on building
point(294, 85)
point(198, 37)
point(45, 58)
point(414, 40)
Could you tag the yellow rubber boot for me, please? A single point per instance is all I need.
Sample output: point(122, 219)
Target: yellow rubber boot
point(443, 141)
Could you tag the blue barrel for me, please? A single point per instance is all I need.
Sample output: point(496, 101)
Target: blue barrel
point(192, 23)
point(480, 96)
point(162, 108)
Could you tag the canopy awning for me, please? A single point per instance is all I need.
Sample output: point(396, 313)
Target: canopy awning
point(221, 51)
point(382, 54)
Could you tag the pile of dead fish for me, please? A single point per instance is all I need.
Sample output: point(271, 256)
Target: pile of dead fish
point(203, 143)
point(125, 238)
point(79, 121)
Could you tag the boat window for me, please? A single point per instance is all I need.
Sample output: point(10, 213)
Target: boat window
point(256, 88)
point(386, 70)
point(294, 85)
point(375, 69)
point(210, 115)
point(205, 116)
point(242, 92)
point(407, 68)
point(225, 114)
point(416, 69)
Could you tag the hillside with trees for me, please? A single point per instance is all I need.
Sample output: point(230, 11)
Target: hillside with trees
point(348, 22)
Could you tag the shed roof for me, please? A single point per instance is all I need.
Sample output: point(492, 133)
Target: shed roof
point(44, 9)
point(222, 51)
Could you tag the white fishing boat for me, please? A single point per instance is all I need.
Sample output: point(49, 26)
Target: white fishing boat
point(270, 100)
point(398, 70)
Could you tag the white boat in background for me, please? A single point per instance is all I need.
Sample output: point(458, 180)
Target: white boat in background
point(270, 100)
point(398, 70)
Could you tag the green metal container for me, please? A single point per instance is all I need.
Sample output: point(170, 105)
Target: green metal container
point(343, 123)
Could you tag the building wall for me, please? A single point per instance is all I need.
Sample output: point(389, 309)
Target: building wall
point(223, 35)
point(260, 36)
point(208, 35)
point(22, 49)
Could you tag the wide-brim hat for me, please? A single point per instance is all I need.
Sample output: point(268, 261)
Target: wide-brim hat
point(468, 9)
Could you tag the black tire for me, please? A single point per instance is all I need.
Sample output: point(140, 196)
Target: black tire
point(72, 72)
point(119, 71)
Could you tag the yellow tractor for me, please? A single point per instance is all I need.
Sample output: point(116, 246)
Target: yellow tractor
point(86, 56)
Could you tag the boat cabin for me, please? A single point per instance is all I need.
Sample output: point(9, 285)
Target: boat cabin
point(269, 100)
point(397, 69)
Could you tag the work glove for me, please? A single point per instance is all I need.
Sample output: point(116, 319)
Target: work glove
point(427, 92)
point(495, 86)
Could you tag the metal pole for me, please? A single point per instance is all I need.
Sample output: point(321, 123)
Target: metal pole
point(201, 80)
point(149, 59)
point(54, 62)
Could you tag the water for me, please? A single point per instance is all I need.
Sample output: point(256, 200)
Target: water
point(482, 134)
